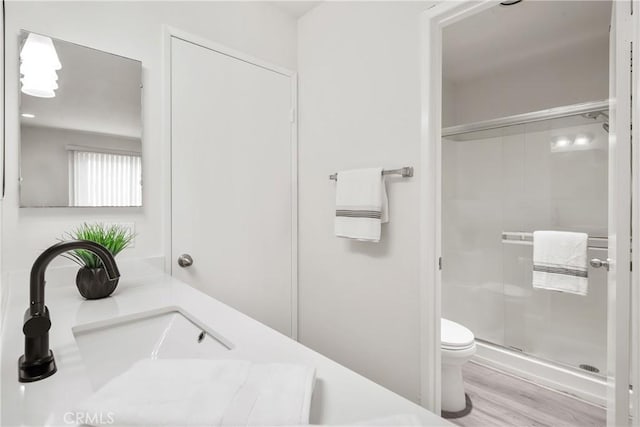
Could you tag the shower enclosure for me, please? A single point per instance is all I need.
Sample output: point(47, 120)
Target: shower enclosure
point(502, 180)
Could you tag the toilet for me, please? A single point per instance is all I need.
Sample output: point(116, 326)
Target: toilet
point(458, 346)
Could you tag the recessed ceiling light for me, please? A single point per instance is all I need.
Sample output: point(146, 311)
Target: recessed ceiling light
point(28, 115)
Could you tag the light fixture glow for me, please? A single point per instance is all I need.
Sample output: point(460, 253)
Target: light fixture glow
point(38, 85)
point(28, 115)
point(38, 91)
point(582, 140)
point(571, 142)
point(38, 64)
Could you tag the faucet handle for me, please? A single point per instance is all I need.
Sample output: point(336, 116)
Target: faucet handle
point(36, 324)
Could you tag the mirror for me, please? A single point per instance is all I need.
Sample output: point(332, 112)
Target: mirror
point(80, 125)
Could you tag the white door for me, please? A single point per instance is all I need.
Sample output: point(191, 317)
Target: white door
point(232, 181)
point(619, 274)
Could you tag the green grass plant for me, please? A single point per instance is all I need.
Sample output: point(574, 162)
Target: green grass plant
point(114, 237)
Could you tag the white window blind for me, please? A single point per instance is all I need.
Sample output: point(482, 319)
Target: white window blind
point(104, 179)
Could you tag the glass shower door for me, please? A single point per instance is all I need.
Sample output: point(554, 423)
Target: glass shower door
point(499, 186)
point(472, 285)
point(557, 175)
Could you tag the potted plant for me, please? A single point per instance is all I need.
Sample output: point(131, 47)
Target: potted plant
point(92, 280)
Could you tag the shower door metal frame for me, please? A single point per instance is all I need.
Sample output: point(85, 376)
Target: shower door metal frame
point(433, 21)
point(520, 119)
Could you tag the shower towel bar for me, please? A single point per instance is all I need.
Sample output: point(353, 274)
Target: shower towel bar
point(524, 238)
point(406, 172)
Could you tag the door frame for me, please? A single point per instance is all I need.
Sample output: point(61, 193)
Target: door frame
point(169, 33)
point(635, 223)
point(433, 21)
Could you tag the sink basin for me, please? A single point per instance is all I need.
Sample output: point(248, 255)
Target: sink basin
point(110, 347)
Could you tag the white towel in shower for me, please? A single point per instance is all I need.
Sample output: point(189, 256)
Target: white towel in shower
point(193, 392)
point(560, 261)
point(361, 204)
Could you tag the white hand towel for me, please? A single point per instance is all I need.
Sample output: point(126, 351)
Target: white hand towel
point(361, 204)
point(190, 392)
point(560, 261)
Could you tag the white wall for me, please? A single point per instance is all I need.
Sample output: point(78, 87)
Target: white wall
point(359, 93)
point(135, 30)
point(448, 102)
point(44, 164)
point(561, 77)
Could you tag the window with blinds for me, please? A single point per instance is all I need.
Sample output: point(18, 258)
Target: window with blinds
point(105, 179)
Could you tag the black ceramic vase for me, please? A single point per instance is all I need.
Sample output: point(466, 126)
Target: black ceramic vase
point(93, 283)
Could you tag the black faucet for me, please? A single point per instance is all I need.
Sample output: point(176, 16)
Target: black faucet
point(37, 362)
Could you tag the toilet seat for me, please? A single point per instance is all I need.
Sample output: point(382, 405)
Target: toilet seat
point(454, 336)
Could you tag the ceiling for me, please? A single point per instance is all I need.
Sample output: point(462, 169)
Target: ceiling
point(296, 8)
point(505, 35)
point(98, 92)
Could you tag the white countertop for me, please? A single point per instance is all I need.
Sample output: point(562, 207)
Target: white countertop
point(340, 397)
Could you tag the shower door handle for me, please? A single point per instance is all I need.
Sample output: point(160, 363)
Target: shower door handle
point(598, 263)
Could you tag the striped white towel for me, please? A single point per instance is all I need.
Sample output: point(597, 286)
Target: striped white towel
point(361, 204)
point(560, 261)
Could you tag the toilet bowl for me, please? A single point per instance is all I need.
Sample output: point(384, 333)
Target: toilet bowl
point(458, 346)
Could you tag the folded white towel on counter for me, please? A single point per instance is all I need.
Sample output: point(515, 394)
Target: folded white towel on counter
point(560, 261)
point(361, 204)
point(194, 392)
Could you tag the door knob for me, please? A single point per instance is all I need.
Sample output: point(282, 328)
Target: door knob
point(185, 260)
point(597, 263)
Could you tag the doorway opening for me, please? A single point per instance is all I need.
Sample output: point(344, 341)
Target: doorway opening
point(526, 129)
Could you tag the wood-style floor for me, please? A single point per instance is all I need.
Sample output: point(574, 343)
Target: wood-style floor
point(500, 400)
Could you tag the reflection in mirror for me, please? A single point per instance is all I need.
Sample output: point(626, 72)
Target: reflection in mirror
point(80, 125)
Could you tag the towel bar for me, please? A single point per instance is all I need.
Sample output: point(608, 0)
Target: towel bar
point(406, 172)
point(524, 238)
